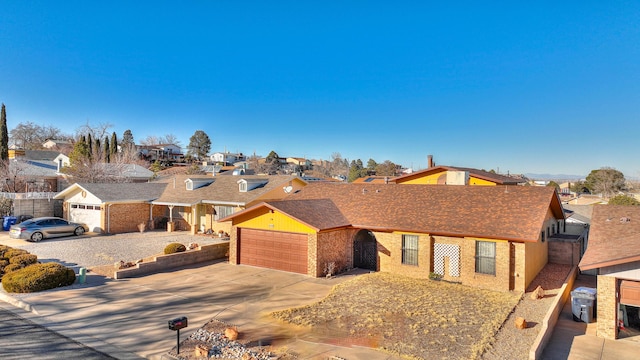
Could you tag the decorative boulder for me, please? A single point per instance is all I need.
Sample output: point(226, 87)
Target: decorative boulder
point(538, 293)
point(231, 333)
point(202, 350)
point(521, 323)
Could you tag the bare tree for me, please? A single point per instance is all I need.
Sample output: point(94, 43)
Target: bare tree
point(13, 176)
point(97, 132)
point(150, 140)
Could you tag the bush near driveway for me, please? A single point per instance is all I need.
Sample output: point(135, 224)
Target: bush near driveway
point(417, 318)
point(38, 277)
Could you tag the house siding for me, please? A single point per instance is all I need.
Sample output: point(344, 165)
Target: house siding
point(477, 181)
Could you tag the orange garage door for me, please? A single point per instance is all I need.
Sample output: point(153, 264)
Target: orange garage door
point(630, 293)
point(273, 250)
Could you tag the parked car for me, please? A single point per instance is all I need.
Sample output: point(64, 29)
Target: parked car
point(46, 227)
point(21, 218)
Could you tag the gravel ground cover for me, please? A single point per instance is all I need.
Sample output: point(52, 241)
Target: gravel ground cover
point(100, 250)
point(512, 343)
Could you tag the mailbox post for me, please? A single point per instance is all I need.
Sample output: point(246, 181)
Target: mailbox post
point(175, 325)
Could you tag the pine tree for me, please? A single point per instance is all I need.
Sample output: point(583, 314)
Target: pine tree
point(107, 150)
point(4, 135)
point(114, 144)
point(89, 143)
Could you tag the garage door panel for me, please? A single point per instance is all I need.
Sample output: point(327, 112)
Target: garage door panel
point(274, 250)
point(630, 293)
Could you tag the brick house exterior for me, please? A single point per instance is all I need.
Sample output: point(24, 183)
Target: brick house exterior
point(197, 202)
point(415, 230)
point(113, 207)
point(614, 253)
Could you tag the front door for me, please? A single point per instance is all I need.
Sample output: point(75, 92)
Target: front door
point(365, 251)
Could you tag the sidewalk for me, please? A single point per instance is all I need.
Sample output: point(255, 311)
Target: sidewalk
point(578, 340)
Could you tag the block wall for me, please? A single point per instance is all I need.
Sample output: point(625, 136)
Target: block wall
point(607, 308)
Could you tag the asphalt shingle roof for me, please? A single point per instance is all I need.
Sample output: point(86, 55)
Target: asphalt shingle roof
point(112, 192)
point(614, 236)
point(221, 189)
point(505, 212)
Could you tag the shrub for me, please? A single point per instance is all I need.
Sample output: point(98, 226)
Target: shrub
point(3, 249)
point(24, 260)
point(174, 248)
point(38, 277)
point(14, 252)
point(12, 267)
point(3, 263)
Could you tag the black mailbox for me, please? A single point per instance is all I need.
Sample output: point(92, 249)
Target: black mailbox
point(178, 323)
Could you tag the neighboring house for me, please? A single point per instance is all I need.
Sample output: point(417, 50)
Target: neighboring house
point(486, 236)
point(614, 252)
point(57, 144)
point(450, 175)
point(35, 170)
point(373, 179)
point(111, 207)
point(299, 163)
point(197, 202)
point(161, 152)
point(227, 158)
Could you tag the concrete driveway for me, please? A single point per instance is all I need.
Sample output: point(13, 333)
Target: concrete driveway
point(128, 318)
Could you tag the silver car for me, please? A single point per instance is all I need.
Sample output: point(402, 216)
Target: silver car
point(46, 227)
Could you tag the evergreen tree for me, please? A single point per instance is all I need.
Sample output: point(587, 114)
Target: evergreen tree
point(127, 140)
point(114, 144)
point(89, 143)
point(4, 135)
point(199, 145)
point(107, 150)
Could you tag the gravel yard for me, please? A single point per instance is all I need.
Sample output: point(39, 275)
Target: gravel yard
point(92, 251)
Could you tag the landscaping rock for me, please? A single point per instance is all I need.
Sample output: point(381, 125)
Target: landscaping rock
point(202, 350)
point(521, 323)
point(231, 333)
point(538, 293)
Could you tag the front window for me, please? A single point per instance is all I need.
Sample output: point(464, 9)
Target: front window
point(223, 211)
point(410, 250)
point(486, 257)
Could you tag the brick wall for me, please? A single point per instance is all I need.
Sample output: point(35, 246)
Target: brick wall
point(126, 217)
point(233, 245)
point(331, 247)
point(564, 252)
point(500, 281)
point(390, 255)
point(607, 309)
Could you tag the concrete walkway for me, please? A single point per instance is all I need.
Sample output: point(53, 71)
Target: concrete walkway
point(128, 318)
point(578, 340)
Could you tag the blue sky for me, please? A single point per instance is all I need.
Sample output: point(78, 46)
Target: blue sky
point(540, 87)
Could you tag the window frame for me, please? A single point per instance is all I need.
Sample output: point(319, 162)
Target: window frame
point(485, 260)
point(410, 247)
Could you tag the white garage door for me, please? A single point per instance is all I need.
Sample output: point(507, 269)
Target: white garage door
point(86, 214)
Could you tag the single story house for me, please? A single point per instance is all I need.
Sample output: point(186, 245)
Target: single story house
point(111, 207)
point(614, 253)
point(492, 237)
point(197, 202)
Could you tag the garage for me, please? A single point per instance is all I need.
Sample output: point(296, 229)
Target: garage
point(272, 249)
point(86, 214)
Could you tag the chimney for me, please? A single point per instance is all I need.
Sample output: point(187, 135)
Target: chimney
point(429, 161)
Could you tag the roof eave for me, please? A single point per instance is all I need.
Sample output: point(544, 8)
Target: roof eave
point(607, 263)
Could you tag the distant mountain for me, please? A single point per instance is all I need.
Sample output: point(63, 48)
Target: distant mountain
point(555, 177)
